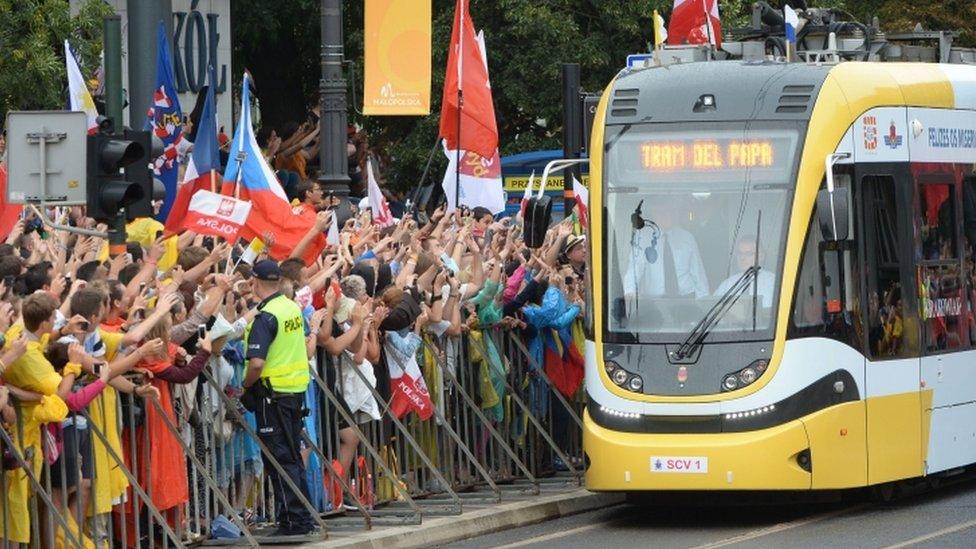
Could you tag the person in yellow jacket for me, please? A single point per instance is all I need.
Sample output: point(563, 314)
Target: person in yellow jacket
point(275, 384)
point(30, 372)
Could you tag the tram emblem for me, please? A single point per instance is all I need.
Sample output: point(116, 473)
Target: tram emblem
point(893, 140)
point(870, 132)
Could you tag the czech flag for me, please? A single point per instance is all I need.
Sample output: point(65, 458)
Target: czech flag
point(201, 171)
point(249, 177)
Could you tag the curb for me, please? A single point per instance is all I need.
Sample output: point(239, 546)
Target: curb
point(504, 516)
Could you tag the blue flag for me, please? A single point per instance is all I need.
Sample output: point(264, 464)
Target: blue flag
point(792, 22)
point(165, 118)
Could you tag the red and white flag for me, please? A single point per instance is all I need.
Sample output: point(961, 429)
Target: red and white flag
point(216, 215)
point(479, 179)
point(582, 196)
point(377, 202)
point(695, 22)
point(409, 390)
point(467, 75)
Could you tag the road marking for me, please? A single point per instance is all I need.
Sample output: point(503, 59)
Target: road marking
point(781, 527)
point(555, 535)
point(933, 535)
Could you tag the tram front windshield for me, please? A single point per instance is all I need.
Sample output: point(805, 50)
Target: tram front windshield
point(696, 226)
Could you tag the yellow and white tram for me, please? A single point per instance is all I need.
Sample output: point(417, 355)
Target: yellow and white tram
point(782, 281)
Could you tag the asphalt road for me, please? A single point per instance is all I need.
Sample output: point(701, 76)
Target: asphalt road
point(945, 518)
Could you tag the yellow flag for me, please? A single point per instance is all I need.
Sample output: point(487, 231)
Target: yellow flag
point(660, 31)
point(252, 252)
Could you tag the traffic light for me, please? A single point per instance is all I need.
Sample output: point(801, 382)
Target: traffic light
point(107, 191)
point(140, 173)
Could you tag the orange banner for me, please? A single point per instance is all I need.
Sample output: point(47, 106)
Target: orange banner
point(397, 37)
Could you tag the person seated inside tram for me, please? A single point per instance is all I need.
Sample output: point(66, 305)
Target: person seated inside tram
point(744, 256)
point(665, 260)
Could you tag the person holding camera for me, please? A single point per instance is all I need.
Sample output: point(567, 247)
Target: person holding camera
point(275, 384)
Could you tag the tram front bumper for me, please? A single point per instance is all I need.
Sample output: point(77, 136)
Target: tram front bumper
point(757, 460)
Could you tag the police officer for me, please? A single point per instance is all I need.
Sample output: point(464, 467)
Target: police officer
point(276, 380)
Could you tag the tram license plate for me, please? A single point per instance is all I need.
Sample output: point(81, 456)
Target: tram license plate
point(679, 464)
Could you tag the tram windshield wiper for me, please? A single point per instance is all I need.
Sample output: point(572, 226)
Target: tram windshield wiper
point(715, 313)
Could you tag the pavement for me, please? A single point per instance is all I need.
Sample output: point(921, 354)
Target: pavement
point(476, 520)
point(944, 518)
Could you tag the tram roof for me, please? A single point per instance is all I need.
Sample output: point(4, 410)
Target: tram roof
point(750, 90)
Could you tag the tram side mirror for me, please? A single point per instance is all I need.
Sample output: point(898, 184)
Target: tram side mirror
point(538, 215)
point(833, 212)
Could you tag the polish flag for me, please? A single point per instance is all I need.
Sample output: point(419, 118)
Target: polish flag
point(695, 22)
point(216, 215)
point(408, 388)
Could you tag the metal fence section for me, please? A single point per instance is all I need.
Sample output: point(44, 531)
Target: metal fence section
point(499, 429)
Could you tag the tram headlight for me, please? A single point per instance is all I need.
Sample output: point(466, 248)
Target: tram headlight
point(748, 375)
point(636, 384)
point(730, 383)
point(620, 377)
point(745, 376)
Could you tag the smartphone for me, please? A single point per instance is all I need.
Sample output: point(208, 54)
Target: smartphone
point(159, 234)
point(128, 256)
point(202, 331)
point(67, 280)
point(84, 325)
point(142, 287)
point(488, 236)
point(97, 368)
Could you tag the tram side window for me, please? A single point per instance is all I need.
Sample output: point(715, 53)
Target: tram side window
point(941, 296)
point(886, 321)
point(969, 248)
point(825, 298)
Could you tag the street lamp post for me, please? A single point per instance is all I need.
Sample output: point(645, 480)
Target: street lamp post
point(333, 163)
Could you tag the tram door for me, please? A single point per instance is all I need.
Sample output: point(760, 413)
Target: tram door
point(891, 335)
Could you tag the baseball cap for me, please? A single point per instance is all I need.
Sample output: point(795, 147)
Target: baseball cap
point(267, 270)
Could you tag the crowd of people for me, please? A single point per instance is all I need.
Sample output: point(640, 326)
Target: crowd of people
point(107, 359)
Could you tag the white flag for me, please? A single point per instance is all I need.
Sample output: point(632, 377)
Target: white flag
point(377, 203)
point(332, 237)
point(78, 95)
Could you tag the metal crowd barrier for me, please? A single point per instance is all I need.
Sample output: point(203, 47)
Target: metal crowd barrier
point(493, 436)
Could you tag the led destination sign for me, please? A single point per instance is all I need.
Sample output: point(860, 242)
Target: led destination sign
point(709, 154)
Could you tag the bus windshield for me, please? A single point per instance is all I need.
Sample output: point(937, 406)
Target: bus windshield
point(696, 221)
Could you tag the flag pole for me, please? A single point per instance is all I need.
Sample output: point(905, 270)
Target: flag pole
point(457, 154)
point(708, 23)
point(460, 98)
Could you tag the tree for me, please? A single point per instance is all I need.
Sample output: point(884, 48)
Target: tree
point(32, 35)
point(527, 40)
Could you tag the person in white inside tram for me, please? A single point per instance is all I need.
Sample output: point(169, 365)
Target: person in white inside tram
point(665, 263)
point(744, 256)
